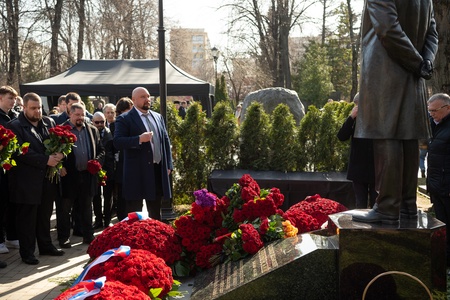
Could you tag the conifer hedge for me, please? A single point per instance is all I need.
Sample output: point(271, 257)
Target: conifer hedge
point(261, 142)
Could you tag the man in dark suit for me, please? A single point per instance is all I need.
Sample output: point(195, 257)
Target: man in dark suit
point(99, 121)
point(31, 190)
point(78, 185)
point(142, 136)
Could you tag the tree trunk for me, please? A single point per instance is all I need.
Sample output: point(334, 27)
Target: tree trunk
point(82, 25)
point(354, 40)
point(55, 21)
point(441, 77)
point(12, 11)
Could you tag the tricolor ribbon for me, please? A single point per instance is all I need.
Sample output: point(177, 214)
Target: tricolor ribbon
point(122, 251)
point(137, 215)
point(86, 288)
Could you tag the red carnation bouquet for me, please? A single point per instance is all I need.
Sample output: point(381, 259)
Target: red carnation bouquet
point(9, 146)
point(95, 168)
point(60, 140)
point(237, 225)
point(140, 268)
point(148, 234)
point(232, 227)
point(111, 290)
point(317, 208)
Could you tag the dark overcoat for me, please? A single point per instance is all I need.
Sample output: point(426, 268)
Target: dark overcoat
point(27, 178)
point(138, 171)
point(438, 161)
point(397, 35)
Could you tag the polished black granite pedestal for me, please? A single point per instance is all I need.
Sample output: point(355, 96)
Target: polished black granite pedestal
point(337, 263)
point(415, 247)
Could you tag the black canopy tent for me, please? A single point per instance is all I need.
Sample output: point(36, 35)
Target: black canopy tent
point(117, 78)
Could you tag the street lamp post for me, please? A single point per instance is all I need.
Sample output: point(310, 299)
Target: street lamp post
point(167, 212)
point(215, 54)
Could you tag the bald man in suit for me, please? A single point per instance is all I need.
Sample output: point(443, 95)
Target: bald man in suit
point(142, 136)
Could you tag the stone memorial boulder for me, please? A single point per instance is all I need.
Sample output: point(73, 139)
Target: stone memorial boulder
point(271, 97)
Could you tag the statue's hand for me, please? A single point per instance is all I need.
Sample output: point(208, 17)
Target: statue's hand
point(426, 69)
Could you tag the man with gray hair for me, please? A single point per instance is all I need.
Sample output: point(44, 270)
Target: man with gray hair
point(78, 185)
point(438, 179)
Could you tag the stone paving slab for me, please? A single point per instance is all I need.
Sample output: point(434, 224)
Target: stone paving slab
point(45, 280)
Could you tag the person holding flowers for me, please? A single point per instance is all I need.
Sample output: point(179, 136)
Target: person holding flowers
point(7, 209)
point(79, 186)
point(31, 190)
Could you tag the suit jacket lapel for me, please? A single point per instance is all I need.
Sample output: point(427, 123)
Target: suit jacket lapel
point(137, 119)
point(91, 138)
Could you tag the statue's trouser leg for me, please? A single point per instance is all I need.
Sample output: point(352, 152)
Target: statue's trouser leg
point(396, 165)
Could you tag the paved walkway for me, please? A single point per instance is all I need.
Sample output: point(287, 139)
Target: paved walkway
point(43, 281)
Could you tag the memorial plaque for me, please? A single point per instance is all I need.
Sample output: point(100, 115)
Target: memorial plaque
point(304, 266)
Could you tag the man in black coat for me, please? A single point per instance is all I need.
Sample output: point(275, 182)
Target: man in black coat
point(31, 191)
point(142, 136)
point(104, 218)
point(438, 173)
point(78, 185)
point(361, 170)
point(7, 209)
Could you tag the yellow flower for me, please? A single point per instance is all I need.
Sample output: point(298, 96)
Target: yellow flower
point(289, 229)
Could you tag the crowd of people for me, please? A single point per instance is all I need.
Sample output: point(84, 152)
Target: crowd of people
point(28, 193)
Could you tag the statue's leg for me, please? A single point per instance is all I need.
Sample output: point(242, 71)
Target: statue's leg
point(411, 165)
point(388, 157)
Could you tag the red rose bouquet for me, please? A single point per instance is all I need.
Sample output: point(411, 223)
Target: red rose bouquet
point(149, 234)
point(95, 168)
point(110, 290)
point(9, 146)
point(60, 140)
point(140, 268)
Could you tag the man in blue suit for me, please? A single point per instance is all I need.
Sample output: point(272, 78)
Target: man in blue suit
point(142, 136)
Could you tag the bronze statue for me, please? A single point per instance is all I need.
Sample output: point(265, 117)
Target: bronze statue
point(399, 44)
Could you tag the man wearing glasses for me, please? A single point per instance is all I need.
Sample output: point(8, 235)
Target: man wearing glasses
point(99, 121)
point(399, 42)
point(438, 173)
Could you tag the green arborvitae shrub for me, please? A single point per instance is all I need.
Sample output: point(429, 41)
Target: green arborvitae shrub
point(191, 165)
point(320, 149)
point(327, 142)
point(307, 139)
point(281, 140)
point(254, 139)
point(222, 138)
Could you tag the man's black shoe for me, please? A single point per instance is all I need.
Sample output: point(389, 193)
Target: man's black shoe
point(372, 216)
point(88, 240)
point(31, 260)
point(77, 233)
point(65, 244)
point(52, 252)
point(2, 264)
point(97, 225)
